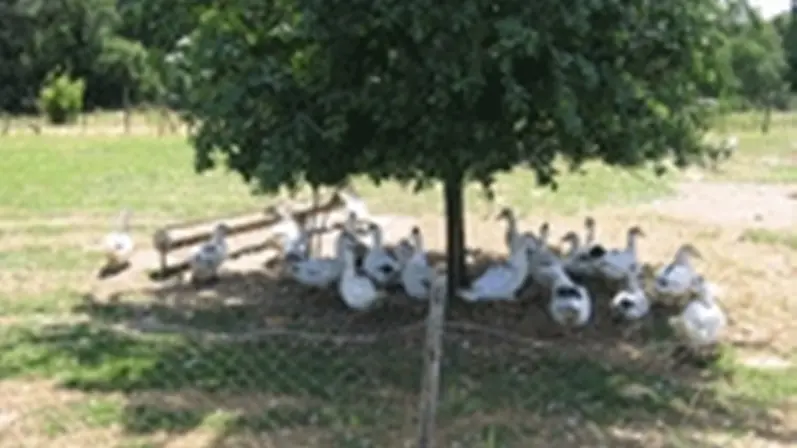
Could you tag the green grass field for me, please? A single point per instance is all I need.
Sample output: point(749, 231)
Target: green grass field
point(73, 373)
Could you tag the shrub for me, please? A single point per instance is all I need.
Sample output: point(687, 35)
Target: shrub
point(61, 98)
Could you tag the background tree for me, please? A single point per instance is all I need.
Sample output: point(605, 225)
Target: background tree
point(784, 25)
point(755, 61)
point(319, 90)
point(119, 46)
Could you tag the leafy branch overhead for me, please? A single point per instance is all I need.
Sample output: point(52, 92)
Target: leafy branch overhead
point(318, 90)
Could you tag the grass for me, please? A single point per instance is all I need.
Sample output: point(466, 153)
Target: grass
point(151, 385)
point(73, 372)
point(764, 236)
point(764, 158)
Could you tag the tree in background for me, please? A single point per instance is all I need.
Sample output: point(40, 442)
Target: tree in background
point(753, 52)
point(120, 48)
point(786, 27)
point(418, 91)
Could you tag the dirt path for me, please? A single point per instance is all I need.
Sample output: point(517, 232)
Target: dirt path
point(733, 204)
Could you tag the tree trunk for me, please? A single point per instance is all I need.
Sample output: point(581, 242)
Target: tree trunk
point(455, 233)
point(767, 119)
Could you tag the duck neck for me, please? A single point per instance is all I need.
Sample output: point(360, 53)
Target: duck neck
point(682, 258)
point(575, 245)
point(560, 276)
point(417, 243)
point(340, 247)
point(632, 281)
point(511, 226)
point(376, 235)
point(351, 222)
point(217, 238)
point(705, 296)
point(519, 257)
point(590, 236)
point(348, 262)
point(543, 237)
point(631, 245)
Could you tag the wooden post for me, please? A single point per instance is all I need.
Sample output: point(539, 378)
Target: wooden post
point(433, 356)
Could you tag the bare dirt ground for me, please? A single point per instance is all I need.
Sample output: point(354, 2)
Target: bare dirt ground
point(733, 204)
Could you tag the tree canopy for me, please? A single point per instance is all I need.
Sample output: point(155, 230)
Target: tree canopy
point(319, 90)
point(118, 47)
point(416, 90)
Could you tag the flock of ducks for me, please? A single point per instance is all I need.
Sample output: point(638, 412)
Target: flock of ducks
point(362, 273)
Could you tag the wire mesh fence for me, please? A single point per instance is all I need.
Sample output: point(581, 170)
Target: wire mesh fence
point(140, 382)
point(141, 120)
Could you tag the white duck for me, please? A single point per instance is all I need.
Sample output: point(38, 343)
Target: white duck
point(617, 263)
point(294, 239)
point(118, 245)
point(417, 275)
point(501, 281)
point(208, 258)
point(357, 291)
point(677, 278)
point(404, 251)
point(379, 264)
point(351, 226)
point(321, 272)
point(631, 303)
point(702, 320)
point(570, 304)
point(590, 243)
point(542, 238)
point(544, 265)
point(578, 260)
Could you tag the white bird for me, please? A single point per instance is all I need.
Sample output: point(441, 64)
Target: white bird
point(294, 240)
point(617, 263)
point(208, 258)
point(379, 264)
point(321, 272)
point(570, 304)
point(545, 232)
point(631, 303)
point(702, 320)
point(512, 235)
point(118, 245)
point(501, 281)
point(403, 251)
point(678, 278)
point(417, 275)
point(579, 260)
point(544, 266)
point(357, 291)
point(589, 238)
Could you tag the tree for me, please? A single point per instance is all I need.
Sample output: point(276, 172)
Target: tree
point(784, 24)
point(18, 30)
point(757, 59)
point(416, 91)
